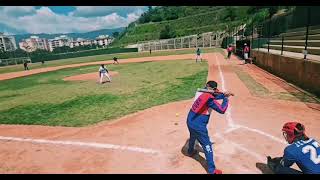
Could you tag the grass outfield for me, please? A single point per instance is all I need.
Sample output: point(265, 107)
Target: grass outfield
point(61, 62)
point(45, 99)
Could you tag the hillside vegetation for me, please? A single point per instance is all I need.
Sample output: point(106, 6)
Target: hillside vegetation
point(176, 21)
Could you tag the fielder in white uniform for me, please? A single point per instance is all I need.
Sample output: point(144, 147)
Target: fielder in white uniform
point(103, 72)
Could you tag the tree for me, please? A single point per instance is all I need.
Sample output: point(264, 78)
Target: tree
point(260, 16)
point(230, 13)
point(272, 10)
point(167, 33)
point(172, 15)
point(115, 34)
point(62, 49)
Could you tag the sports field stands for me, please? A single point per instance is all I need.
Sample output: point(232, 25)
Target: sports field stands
point(294, 43)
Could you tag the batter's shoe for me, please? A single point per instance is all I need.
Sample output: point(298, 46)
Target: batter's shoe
point(193, 153)
point(217, 171)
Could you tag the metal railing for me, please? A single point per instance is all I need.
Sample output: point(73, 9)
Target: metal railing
point(290, 32)
point(14, 61)
point(208, 39)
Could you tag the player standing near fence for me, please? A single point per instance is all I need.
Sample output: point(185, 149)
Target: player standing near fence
point(246, 51)
point(25, 65)
point(198, 55)
point(229, 49)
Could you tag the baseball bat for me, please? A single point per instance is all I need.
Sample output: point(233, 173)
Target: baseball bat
point(212, 91)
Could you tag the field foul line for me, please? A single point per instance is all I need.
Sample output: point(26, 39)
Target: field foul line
point(83, 144)
point(263, 133)
point(232, 126)
point(236, 126)
point(228, 113)
point(236, 145)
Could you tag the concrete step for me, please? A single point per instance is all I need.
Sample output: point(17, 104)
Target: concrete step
point(297, 49)
point(290, 54)
point(302, 37)
point(300, 33)
point(313, 43)
point(303, 29)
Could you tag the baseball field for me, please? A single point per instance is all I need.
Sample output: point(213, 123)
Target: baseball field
point(57, 118)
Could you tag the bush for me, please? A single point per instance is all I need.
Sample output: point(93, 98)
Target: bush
point(49, 57)
point(167, 33)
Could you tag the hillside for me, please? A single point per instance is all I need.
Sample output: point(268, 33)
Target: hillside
point(86, 35)
point(176, 21)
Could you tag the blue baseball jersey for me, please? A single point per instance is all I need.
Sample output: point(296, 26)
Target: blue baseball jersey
point(306, 154)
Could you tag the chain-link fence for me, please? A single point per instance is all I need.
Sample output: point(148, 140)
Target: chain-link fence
point(14, 61)
point(209, 39)
point(201, 40)
point(295, 33)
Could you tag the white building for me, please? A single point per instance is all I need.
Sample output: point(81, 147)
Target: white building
point(81, 42)
point(7, 43)
point(60, 41)
point(103, 40)
point(33, 43)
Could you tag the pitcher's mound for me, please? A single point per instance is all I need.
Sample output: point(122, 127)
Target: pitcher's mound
point(88, 77)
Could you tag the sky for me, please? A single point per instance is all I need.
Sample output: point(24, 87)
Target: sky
point(65, 19)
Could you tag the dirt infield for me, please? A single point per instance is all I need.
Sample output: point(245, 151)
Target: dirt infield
point(153, 140)
point(88, 76)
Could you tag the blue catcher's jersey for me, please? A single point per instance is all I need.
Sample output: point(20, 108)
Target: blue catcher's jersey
point(306, 154)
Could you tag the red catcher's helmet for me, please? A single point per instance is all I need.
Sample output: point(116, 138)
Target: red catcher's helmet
point(293, 130)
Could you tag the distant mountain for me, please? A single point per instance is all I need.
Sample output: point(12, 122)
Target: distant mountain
point(86, 35)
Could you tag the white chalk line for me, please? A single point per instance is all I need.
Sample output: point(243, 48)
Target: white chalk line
point(232, 126)
point(230, 129)
point(228, 112)
point(239, 169)
point(263, 133)
point(236, 145)
point(230, 120)
point(83, 144)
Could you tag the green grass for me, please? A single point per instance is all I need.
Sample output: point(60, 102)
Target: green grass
point(45, 99)
point(254, 87)
point(61, 62)
point(259, 90)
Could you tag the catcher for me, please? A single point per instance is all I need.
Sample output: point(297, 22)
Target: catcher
point(303, 151)
point(198, 118)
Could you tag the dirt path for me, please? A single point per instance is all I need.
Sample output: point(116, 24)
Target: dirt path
point(12, 75)
point(151, 141)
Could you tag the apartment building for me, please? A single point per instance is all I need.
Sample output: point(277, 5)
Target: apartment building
point(7, 43)
point(34, 43)
point(81, 42)
point(103, 40)
point(60, 41)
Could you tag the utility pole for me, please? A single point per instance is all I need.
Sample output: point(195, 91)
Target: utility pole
point(307, 33)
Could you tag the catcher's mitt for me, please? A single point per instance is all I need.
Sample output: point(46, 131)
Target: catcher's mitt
point(273, 162)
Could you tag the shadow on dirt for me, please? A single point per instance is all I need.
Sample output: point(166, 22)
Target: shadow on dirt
point(264, 168)
point(196, 156)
